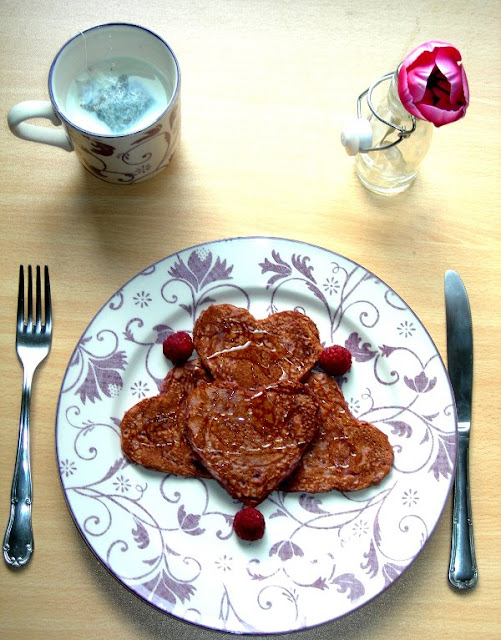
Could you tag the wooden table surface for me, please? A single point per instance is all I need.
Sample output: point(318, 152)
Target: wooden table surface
point(266, 86)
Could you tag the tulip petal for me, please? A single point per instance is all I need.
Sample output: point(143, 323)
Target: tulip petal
point(449, 67)
point(439, 117)
point(418, 80)
point(457, 77)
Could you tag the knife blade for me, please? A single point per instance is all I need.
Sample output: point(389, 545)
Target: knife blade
point(463, 572)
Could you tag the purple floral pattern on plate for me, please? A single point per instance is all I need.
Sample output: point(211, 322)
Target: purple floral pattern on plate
point(170, 539)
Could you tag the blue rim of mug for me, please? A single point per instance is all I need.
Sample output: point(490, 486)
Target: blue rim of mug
point(170, 103)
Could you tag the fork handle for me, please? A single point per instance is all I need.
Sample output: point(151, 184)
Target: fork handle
point(18, 541)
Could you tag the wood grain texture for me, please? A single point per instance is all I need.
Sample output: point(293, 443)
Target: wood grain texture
point(266, 87)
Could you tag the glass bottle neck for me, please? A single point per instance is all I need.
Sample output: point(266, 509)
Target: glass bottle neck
point(394, 102)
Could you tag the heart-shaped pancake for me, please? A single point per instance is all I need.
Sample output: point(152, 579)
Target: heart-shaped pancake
point(347, 454)
point(153, 431)
point(250, 440)
point(236, 347)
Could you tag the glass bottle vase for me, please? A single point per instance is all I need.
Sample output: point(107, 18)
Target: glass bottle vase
point(393, 170)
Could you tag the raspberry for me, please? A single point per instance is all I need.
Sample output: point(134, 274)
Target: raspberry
point(249, 524)
point(178, 347)
point(335, 360)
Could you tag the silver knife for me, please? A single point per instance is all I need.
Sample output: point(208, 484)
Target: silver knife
point(463, 573)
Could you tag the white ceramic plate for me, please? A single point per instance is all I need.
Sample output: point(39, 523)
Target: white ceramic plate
point(169, 539)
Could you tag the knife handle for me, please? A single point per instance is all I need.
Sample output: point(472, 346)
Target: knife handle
point(463, 573)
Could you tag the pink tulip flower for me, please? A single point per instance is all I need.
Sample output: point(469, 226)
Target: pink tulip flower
point(432, 83)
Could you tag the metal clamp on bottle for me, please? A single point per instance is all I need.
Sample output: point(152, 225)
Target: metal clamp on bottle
point(356, 136)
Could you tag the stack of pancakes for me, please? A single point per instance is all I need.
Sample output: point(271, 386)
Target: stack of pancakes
point(251, 413)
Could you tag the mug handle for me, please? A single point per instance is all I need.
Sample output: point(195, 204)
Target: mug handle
point(37, 109)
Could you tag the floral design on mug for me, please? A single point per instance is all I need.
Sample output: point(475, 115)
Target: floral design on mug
point(146, 154)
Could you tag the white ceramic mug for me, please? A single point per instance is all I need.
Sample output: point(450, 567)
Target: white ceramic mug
point(103, 133)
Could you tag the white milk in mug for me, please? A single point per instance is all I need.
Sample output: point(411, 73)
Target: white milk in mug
point(117, 96)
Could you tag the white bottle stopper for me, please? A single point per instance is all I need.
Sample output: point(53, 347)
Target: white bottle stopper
point(356, 136)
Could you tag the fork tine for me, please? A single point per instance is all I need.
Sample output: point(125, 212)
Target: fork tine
point(29, 314)
point(20, 300)
point(48, 302)
point(38, 307)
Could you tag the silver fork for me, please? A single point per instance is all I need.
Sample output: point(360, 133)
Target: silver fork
point(33, 340)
